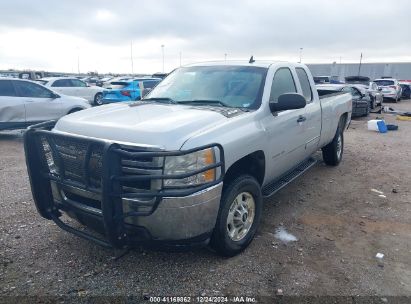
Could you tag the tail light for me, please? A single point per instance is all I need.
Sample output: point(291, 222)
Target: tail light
point(125, 93)
point(394, 87)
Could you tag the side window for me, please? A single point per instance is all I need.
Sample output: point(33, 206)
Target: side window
point(62, 83)
point(28, 89)
point(149, 84)
point(283, 82)
point(305, 84)
point(6, 88)
point(77, 83)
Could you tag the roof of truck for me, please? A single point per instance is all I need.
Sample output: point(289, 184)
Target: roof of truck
point(257, 63)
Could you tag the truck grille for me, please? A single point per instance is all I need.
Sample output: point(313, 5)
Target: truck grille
point(74, 160)
point(80, 161)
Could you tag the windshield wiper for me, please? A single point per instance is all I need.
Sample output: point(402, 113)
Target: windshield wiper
point(205, 101)
point(160, 99)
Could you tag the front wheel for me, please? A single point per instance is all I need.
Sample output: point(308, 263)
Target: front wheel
point(98, 99)
point(238, 217)
point(332, 153)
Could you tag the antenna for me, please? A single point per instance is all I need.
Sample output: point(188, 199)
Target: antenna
point(359, 67)
point(251, 59)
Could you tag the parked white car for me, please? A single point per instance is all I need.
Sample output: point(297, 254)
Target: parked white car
point(74, 87)
point(390, 88)
point(24, 103)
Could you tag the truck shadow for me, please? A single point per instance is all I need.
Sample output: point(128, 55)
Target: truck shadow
point(11, 135)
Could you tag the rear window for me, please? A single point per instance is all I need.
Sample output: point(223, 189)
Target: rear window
point(384, 82)
point(150, 84)
point(305, 84)
point(6, 88)
point(118, 84)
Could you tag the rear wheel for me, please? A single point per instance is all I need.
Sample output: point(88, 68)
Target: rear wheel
point(98, 99)
point(333, 152)
point(238, 217)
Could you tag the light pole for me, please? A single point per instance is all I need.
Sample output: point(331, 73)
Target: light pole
point(225, 57)
point(301, 51)
point(78, 60)
point(180, 58)
point(131, 57)
point(162, 51)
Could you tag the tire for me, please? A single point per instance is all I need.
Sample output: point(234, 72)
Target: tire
point(98, 99)
point(244, 188)
point(333, 152)
point(368, 110)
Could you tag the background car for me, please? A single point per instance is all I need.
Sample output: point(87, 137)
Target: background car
point(369, 87)
point(361, 103)
point(74, 87)
point(326, 79)
point(23, 103)
point(390, 88)
point(128, 90)
point(107, 84)
point(406, 90)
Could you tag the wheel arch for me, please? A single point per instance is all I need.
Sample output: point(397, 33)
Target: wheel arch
point(343, 123)
point(252, 164)
point(75, 109)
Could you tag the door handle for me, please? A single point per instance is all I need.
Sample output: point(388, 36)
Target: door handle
point(301, 118)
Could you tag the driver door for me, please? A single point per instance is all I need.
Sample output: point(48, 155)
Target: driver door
point(40, 103)
point(285, 129)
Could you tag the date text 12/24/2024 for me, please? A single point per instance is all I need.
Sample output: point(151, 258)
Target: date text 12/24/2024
point(203, 299)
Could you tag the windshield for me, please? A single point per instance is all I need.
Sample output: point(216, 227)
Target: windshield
point(231, 86)
point(384, 82)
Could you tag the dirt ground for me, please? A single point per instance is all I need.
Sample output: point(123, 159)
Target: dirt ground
point(340, 224)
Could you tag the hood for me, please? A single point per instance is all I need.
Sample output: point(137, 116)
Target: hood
point(146, 124)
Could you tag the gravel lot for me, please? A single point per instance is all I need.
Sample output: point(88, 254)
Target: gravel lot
point(339, 222)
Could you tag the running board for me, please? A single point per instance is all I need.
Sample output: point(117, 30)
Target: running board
point(288, 177)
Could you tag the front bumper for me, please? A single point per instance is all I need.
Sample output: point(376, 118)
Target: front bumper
point(85, 179)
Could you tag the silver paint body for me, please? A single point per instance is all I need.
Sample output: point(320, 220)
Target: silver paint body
point(19, 111)
point(284, 141)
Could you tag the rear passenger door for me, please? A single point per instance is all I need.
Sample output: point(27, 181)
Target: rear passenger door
point(12, 110)
point(80, 89)
point(312, 124)
point(39, 102)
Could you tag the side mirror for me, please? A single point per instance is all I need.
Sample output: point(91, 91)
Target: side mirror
point(145, 92)
point(288, 101)
point(54, 95)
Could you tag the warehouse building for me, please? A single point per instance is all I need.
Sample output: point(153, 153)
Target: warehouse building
point(398, 70)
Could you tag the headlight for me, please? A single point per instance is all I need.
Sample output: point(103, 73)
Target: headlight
point(188, 163)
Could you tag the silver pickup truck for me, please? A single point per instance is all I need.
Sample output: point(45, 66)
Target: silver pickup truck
point(191, 162)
